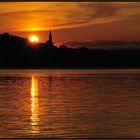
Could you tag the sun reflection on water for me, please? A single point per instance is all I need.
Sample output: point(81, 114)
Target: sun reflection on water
point(34, 105)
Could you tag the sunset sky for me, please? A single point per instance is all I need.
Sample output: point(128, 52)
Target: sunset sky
point(72, 20)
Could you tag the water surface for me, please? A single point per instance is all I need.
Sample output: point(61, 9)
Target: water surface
point(70, 103)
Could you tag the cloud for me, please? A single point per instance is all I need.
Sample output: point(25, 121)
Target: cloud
point(40, 16)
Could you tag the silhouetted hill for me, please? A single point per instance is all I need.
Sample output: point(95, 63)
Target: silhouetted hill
point(103, 44)
point(17, 52)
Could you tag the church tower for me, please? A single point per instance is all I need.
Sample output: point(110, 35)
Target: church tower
point(49, 42)
point(50, 38)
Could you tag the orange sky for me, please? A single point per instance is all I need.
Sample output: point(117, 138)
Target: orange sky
point(72, 20)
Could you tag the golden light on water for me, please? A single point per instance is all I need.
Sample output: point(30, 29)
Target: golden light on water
point(34, 105)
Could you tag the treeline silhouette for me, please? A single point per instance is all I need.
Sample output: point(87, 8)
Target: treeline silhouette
point(17, 52)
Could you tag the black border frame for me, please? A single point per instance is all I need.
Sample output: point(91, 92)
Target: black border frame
point(10, 1)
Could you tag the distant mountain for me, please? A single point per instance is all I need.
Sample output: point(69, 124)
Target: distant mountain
point(103, 44)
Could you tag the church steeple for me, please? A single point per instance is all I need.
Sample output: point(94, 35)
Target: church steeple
point(50, 36)
point(49, 42)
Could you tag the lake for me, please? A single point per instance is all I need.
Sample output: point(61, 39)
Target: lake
point(70, 103)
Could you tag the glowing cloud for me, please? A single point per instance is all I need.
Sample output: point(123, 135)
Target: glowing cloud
point(40, 16)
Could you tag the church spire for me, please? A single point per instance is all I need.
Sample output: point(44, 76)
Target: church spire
point(49, 42)
point(50, 36)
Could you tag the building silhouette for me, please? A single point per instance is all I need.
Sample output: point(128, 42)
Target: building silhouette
point(49, 42)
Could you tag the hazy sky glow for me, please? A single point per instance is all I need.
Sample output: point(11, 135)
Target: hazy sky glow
point(72, 21)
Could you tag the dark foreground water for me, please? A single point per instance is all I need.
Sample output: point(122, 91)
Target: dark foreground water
point(70, 103)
